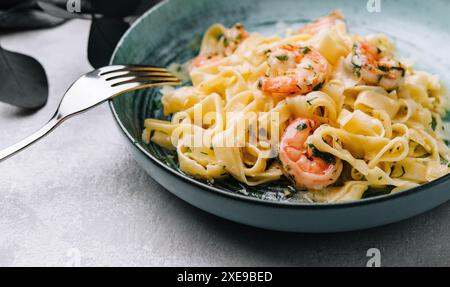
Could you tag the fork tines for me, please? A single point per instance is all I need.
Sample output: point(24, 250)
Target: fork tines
point(147, 76)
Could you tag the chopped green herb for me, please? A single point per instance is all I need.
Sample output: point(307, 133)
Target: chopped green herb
point(384, 68)
point(319, 86)
point(309, 101)
point(283, 58)
point(400, 69)
point(379, 51)
point(205, 153)
point(357, 71)
point(259, 84)
point(302, 126)
point(327, 157)
point(356, 68)
point(372, 192)
point(305, 50)
point(226, 42)
point(219, 36)
point(433, 123)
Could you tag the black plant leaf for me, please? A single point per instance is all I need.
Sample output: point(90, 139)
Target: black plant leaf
point(25, 15)
point(23, 80)
point(103, 37)
point(6, 4)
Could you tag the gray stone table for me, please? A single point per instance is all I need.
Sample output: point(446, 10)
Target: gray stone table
point(78, 197)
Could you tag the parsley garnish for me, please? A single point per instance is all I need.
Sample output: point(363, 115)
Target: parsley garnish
point(357, 70)
point(283, 58)
point(226, 42)
point(302, 126)
point(327, 157)
point(318, 87)
point(384, 68)
point(400, 69)
point(305, 50)
point(310, 101)
point(433, 123)
point(259, 84)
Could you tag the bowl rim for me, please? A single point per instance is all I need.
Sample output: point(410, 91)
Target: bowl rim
point(240, 197)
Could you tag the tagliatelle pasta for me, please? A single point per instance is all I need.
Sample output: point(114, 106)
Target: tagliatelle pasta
point(336, 113)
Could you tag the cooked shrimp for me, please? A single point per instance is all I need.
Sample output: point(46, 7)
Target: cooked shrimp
point(303, 162)
point(322, 23)
point(375, 66)
point(294, 70)
point(202, 60)
point(227, 43)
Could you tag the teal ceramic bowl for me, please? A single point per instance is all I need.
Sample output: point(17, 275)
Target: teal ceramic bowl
point(170, 32)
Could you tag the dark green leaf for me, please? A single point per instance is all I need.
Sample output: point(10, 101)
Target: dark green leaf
point(23, 81)
point(327, 157)
point(103, 37)
point(372, 192)
point(283, 58)
point(433, 123)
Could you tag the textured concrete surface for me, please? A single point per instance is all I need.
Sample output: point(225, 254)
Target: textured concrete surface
point(77, 197)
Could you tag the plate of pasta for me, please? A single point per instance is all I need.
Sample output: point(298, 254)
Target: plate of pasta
point(297, 116)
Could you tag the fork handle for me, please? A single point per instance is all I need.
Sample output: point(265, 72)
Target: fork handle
point(48, 127)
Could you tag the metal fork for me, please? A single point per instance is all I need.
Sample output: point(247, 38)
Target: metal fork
point(94, 88)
